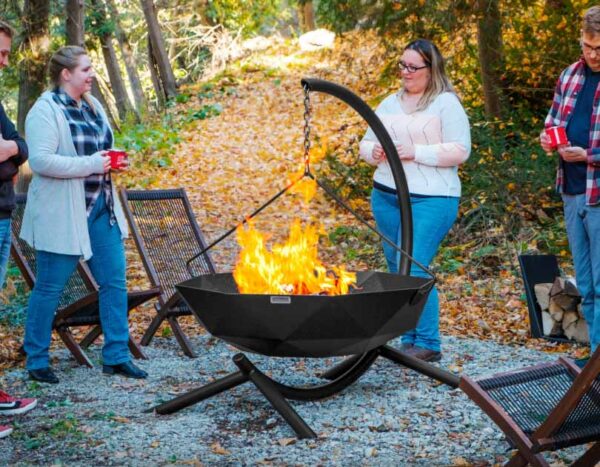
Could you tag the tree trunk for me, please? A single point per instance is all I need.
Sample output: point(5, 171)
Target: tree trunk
point(308, 16)
point(32, 77)
point(159, 50)
point(129, 59)
point(75, 23)
point(122, 102)
point(119, 91)
point(154, 74)
point(98, 94)
point(489, 40)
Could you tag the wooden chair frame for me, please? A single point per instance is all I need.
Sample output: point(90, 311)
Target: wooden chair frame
point(168, 303)
point(544, 437)
point(64, 319)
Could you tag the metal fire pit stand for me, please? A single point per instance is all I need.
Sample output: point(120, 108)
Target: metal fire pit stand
point(348, 371)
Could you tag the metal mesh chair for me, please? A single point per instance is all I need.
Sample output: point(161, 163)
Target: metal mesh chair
point(78, 304)
point(544, 408)
point(167, 236)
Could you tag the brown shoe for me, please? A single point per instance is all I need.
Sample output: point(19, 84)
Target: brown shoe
point(427, 355)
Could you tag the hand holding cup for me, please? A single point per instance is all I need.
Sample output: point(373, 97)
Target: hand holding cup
point(118, 159)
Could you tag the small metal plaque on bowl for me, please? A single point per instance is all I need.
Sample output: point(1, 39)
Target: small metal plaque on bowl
point(281, 300)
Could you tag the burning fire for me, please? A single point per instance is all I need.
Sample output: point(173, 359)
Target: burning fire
point(290, 268)
point(293, 267)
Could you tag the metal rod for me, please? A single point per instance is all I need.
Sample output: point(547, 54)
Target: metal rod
point(246, 219)
point(361, 107)
point(204, 392)
point(420, 366)
point(269, 390)
point(361, 219)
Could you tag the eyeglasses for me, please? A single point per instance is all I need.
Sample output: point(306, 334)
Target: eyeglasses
point(410, 68)
point(589, 49)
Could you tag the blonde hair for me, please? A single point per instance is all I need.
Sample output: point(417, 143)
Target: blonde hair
point(67, 58)
point(7, 29)
point(591, 21)
point(438, 82)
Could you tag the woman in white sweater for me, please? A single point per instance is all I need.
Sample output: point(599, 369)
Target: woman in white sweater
point(430, 129)
point(73, 211)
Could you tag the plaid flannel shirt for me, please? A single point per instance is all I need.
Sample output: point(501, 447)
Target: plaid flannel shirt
point(567, 90)
point(90, 134)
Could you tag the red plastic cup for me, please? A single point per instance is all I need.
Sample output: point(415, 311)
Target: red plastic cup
point(118, 159)
point(557, 135)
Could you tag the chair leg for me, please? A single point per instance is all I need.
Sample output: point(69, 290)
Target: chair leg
point(91, 337)
point(181, 337)
point(73, 347)
point(136, 350)
point(517, 461)
point(590, 457)
point(154, 325)
point(521, 459)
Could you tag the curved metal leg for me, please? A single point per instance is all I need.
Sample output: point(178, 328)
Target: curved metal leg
point(269, 389)
point(341, 368)
point(197, 395)
point(419, 366)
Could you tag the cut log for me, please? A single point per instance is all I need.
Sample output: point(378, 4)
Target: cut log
point(555, 311)
point(562, 315)
point(564, 294)
point(580, 311)
point(549, 326)
point(569, 319)
point(542, 294)
point(578, 331)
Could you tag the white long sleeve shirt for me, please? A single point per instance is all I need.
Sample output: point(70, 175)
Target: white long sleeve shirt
point(440, 135)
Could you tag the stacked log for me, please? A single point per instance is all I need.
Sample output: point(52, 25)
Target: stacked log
point(562, 316)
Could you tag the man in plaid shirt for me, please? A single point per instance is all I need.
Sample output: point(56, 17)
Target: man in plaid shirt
point(576, 107)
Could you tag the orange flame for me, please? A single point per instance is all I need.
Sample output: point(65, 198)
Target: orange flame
point(290, 268)
point(305, 186)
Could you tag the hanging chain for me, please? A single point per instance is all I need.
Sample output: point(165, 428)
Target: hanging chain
point(307, 118)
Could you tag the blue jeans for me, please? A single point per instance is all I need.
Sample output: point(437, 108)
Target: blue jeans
point(583, 230)
point(433, 217)
point(53, 272)
point(4, 248)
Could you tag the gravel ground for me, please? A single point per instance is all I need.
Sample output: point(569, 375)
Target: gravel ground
point(391, 416)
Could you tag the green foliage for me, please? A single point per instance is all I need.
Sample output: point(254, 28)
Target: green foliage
point(206, 111)
point(252, 17)
point(151, 141)
point(359, 243)
point(341, 16)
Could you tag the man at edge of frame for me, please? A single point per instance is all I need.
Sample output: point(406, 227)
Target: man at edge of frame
point(576, 107)
point(13, 153)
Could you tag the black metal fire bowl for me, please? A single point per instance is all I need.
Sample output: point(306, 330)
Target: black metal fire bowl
point(383, 307)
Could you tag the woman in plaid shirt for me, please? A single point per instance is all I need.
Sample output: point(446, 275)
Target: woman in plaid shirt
point(72, 211)
point(576, 108)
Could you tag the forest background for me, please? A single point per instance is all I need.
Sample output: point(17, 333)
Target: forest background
point(165, 67)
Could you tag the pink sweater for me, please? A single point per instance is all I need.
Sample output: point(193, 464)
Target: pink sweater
point(441, 137)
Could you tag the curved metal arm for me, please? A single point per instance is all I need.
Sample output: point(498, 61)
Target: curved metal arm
point(382, 135)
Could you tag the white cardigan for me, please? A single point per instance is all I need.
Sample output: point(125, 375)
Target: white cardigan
point(55, 218)
point(442, 139)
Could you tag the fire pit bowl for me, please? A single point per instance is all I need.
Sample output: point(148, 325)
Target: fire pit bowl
point(383, 307)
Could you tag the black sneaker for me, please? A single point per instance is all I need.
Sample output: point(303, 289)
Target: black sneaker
point(127, 369)
point(43, 375)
